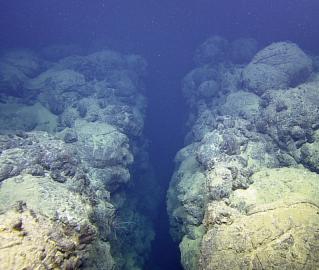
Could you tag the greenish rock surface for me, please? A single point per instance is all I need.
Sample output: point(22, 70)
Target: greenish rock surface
point(73, 157)
point(46, 204)
point(274, 224)
point(245, 190)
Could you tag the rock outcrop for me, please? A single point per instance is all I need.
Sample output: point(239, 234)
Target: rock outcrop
point(46, 203)
point(73, 160)
point(245, 191)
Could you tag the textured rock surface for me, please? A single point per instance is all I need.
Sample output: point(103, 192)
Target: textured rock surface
point(74, 157)
point(245, 190)
point(46, 201)
point(280, 65)
point(275, 225)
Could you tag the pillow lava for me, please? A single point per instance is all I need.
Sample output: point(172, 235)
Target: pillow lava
point(212, 51)
point(280, 65)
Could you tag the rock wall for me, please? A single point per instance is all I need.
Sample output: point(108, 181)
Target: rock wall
point(245, 191)
point(73, 160)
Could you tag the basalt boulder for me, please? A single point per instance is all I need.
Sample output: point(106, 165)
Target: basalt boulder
point(280, 65)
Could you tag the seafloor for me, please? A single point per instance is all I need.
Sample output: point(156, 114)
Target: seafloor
point(77, 189)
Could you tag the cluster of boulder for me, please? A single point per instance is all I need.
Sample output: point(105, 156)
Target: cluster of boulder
point(73, 159)
point(245, 192)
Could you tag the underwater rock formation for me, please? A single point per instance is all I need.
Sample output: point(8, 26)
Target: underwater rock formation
point(46, 200)
point(280, 65)
point(245, 190)
point(73, 160)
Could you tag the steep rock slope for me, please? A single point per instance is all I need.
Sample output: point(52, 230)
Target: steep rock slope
point(73, 160)
point(245, 191)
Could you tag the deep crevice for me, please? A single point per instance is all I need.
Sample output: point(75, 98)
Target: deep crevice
point(164, 127)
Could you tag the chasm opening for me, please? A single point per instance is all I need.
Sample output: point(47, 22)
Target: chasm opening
point(164, 128)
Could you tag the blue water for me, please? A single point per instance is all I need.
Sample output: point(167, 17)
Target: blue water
point(166, 33)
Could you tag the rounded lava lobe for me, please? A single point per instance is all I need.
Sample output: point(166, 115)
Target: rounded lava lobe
point(280, 65)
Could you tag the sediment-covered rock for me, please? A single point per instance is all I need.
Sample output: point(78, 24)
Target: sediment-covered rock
point(73, 160)
point(273, 224)
point(244, 192)
point(46, 200)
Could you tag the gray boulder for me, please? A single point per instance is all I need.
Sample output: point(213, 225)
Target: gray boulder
point(102, 145)
point(280, 65)
point(208, 88)
point(212, 51)
point(242, 104)
point(57, 80)
point(194, 79)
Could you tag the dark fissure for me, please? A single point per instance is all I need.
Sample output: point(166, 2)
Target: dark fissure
point(164, 127)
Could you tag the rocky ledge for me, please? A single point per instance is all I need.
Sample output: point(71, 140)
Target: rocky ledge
point(245, 191)
point(73, 160)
